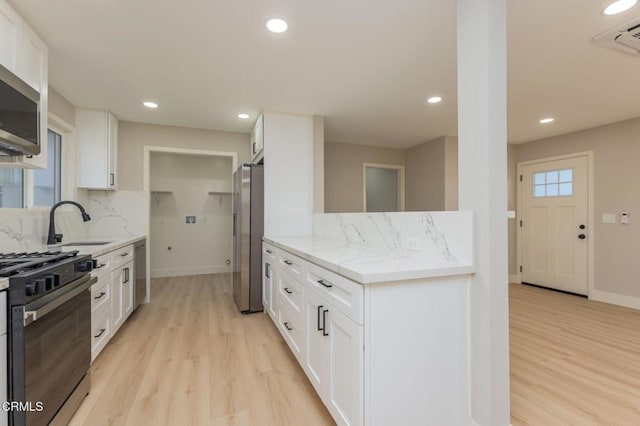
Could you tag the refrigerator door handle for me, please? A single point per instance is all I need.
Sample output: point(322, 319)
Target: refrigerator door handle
point(234, 224)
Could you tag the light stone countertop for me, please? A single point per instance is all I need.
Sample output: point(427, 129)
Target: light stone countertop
point(98, 250)
point(93, 250)
point(367, 264)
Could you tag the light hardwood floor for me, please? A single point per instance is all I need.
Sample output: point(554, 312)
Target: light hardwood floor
point(573, 361)
point(190, 358)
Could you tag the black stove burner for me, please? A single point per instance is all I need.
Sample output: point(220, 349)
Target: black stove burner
point(16, 263)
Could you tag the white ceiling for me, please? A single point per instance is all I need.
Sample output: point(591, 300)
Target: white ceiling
point(367, 66)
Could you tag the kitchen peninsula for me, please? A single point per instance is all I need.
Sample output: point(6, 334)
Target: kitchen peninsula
point(374, 308)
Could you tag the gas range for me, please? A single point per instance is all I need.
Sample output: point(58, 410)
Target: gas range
point(34, 275)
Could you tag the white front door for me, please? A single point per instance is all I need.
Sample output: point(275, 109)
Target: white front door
point(554, 223)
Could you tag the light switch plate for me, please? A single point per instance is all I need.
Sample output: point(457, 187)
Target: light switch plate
point(608, 218)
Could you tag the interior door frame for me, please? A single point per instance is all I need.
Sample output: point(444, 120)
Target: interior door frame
point(590, 213)
point(382, 166)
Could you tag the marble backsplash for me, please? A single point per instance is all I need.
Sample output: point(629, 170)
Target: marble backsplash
point(113, 214)
point(447, 235)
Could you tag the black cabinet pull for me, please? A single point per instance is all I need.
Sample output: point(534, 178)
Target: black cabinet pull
point(126, 276)
point(286, 289)
point(319, 309)
point(102, 293)
point(125, 254)
point(266, 270)
point(324, 322)
point(288, 262)
point(102, 330)
point(268, 251)
point(321, 282)
point(286, 325)
point(112, 176)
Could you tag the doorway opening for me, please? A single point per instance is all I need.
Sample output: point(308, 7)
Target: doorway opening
point(190, 201)
point(383, 188)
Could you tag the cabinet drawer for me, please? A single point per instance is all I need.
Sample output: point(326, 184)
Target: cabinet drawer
point(103, 265)
point(100, 293)
point(100, 329)
point(346, 295)
point(122, 256)
point(291, 292)
point(292, 330)
point(269, 252)
point(292, 264)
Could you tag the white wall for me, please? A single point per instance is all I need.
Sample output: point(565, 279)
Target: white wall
point(200, 248)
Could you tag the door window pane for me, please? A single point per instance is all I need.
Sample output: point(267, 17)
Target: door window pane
point(11, 188)
point(47, 182)
point(555, 183)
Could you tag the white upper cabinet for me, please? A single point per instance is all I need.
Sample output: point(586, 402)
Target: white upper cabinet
point(10, 31)
point(97, 149)
point(25, 54)
point(257, 140)
point(32, 67)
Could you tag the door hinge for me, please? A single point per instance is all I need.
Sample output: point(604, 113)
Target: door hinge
point(520, 224)
point(520, 268)
point(520, 178)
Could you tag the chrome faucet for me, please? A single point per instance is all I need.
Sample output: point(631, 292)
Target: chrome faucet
point(57, 238)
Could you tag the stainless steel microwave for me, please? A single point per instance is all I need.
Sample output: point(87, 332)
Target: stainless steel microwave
point(19, 116)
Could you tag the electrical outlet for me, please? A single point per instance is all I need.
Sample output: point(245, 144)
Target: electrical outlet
point(413, 244)
point(190, 219)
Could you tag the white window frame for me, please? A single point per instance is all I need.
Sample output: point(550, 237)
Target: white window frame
point(382, 166)
point(67, 168)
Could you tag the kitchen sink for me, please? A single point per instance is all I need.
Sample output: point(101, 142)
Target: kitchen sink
point(87, 243)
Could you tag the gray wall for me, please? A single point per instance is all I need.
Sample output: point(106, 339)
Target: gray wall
point(616, 149)
point(61, 107)
point(132, 137)
point(343, 174)
point(425, 176)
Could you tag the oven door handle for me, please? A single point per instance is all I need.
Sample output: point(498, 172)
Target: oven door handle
point(35, 315)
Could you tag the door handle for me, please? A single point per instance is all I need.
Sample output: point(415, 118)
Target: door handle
point(582, 236)
point(581, 226)
point(112, 178)
point(102, 293)
point(102, 330)
point(288, 262)
point(266, 270)
point(234, 224)
point(324, 322)
point(286, 325)
point(321, 282)
point(319, 309)
point(286, 289)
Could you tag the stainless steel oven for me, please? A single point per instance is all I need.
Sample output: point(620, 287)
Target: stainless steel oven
point(50, 354)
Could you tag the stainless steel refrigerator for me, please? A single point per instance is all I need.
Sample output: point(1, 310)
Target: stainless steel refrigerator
point(248, 225)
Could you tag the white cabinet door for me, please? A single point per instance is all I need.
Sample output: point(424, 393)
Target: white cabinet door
point(117, 300)
point(10, 36)
point(96, 140)
point(317, 359)
point(346, 368)
point(32, 67)
point(128, 282)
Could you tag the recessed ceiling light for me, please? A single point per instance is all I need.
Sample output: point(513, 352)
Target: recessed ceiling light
point(547, 120)
point(277, 25)
point(434, 99)
point(150, 104)
point(619, 6)
point(243, 116)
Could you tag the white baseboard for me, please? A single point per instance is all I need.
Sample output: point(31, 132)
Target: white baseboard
point(615, 298)
point(514, 279)
point(182, 272)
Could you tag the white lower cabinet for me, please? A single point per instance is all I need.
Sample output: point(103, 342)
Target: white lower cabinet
point(327, 343)
point(269, 281)
point(112, 295)
point(121, 295)
point(334, 359)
